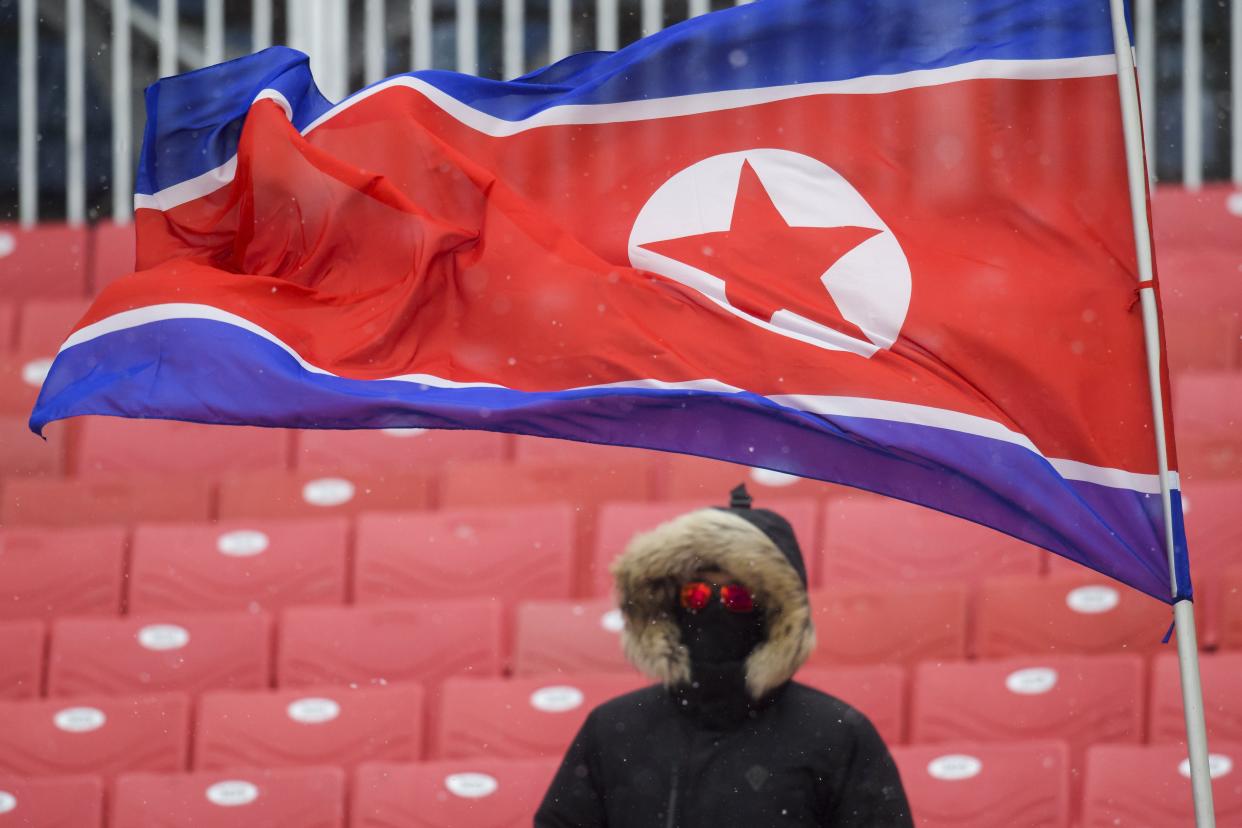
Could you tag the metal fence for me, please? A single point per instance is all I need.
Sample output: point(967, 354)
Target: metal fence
point(1189, 56)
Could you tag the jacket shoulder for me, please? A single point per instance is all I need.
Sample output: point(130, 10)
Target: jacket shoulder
point(637, 703)
point(810, 701)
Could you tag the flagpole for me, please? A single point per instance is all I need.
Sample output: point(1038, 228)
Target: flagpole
point(1183, 611)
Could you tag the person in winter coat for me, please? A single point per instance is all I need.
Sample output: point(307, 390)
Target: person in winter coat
point(715, 607)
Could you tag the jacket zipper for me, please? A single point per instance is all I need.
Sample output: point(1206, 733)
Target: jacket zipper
point(671, 822)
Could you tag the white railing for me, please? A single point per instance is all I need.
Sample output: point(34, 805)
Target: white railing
point(322, 29)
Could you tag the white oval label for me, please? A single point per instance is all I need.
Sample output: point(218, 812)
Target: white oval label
point(404, 432)
point(1218, 765)
point(8, 243)
point(556, 699)
point(772, 479)
point(35, 371)
point(80, 719)
point(1093, 600)
point(232, 792)
point(954, 766)
point(612, 621)
point(471, 785)
point(1031, 681)
point(7, 802)
point(313, 710)
point(242, 543)
point(328, 491)
point(163, 637)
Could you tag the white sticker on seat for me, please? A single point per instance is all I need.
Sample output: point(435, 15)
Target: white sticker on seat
point(556, 699)
point(954, 766)
point(1031, 681)
point(313, 710)
point(242, 543)
point(35, 371)
point(232, 793)
point(8, 243)
point(1093, 600)
point(1218, 765)
point(79, 719)
point(772, 479)
point(7, 802)
point(328, 491)
point(471, 785)
point(163, 637)
point(404, 432)
point(612, 621)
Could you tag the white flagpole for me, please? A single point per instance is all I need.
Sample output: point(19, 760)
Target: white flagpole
point(1183, 611)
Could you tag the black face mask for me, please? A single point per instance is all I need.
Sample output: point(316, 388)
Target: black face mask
point(714, 635)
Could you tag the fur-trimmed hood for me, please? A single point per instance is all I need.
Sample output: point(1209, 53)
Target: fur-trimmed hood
point(654, 563)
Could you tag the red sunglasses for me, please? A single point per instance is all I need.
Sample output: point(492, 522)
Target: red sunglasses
point(696, 595)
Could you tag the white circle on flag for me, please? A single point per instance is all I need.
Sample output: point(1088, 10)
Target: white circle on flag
point(471, 785)
point(556, 699)
point(869, 285)
point(772, 479)
point(1093, 600)
point(232, 792)
point(954, 766)
point(8, 243)
point(242, 543)
point(328, 491)
point(163, 637)
point(313, 710)
point(79, 719)
point(404, 432)
point(7, 802)
point(35, 371)
point(1032, 681)
point(612, 621)
point(1218, 765)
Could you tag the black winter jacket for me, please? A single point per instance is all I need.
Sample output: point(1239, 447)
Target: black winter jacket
point(804, 759)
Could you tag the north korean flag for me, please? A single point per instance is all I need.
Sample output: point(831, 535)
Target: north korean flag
point(885, 243)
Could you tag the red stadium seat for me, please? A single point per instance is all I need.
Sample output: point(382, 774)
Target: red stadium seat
point(103, 735)
point(885, 540)
point(619, 522)
point(1149, 787)
point(569, 637)
point(510, 554)
point(8, 326)
point(21, 662)
point(898, 623)
point(1206, 339)
point(274, 494)
point(425, 641)
point(1208, 410)
point(708, 483)
point(21, 377)
point(22, 454)
point(235, 565)
point(121, 499)
point(878, 692)
point(46, 573)
point(113, 253)
point(975, 785)
point(57, 802)
point(48, 260)
point(113, 446)
point(1231, 609)
point(45, 323)
point(239, 798)
point(1221, 674)
point(1186, 219)
point(1065, 614)
point(394, 449)
point(449, 794)
point(520, 717)
point(189, 652)
point(311, 726)
point(1082, 700)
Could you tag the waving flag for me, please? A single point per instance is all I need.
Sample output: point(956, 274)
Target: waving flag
point(881, 243)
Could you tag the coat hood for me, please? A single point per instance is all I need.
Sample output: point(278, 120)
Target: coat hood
point(757, 548)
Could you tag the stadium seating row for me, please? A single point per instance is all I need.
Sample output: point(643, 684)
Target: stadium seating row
point(1081, 700)
point(960, 785)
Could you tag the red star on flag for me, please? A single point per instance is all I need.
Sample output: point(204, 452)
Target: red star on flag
point(767, 264)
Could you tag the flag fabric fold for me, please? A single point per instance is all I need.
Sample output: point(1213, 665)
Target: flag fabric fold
point(883, 243)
